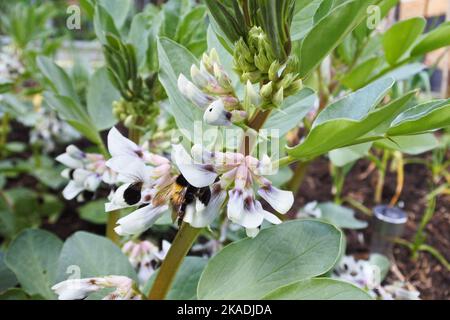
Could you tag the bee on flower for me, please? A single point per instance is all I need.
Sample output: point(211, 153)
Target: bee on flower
point(235, 177)
point(86, 171)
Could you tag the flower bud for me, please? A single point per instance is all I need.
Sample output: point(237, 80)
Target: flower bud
point(74, 152)
point(222, 77)
point(251, 98)
point(216, 114)
point(129, 121)
point(253, 77)
point(273, 71)
point(238, 116)
point(194, 94)
point(278, 97)
point(266, 90)
point(295, 87)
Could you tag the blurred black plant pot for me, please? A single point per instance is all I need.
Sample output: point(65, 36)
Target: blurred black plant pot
point(388, 224)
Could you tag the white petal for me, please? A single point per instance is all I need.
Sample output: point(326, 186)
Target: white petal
point(198, 175)
point(131, 170)
point(118, 145)
point(216, 115)
point(140, 220)
point(194, 94)
point(75, 289)
point(72, 190)
point(249, 217)
point(68, 161)
point(80, 175)
point(252, 232)
point(92, 182)
point(235, 205)
point(74, 152)
point(280, 200)
point(271, 217)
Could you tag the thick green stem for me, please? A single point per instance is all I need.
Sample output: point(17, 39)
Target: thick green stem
point(110, 225)
point(187, 235)
point(381, 176)
point(183, 241)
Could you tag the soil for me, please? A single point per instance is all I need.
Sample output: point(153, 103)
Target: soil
point(426, 274)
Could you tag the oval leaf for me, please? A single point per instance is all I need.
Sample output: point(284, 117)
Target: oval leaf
point(400, 37)
point(100, 96)
point(33, 257)
point(319, 289)
point(279, 255)
point(92, 256)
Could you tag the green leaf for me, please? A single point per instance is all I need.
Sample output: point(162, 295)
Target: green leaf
point(13, 294)
point(103, 24)
point(319, 289)
point(100, 96)
point(400, 38)
point(226, 59)
point(358, 77)
point(95, 256)
point(414, 144)
point(174, 59)
point(382, 262)
point(94, 211)
point(185, 284)
point(323, 10)
point(7, 277)
point(433, 40)
point(340, 216)
point(404, 72)
point(293, 110)
point(33, 257)
point(58, 77)
point(279, 255)
point(117, 9)
point(303, 20)
point(343, 156)
point(75, 115)
point(222, 14)
point(329, 32)
point(421, 118)
point(138, 36)
point(341, 123)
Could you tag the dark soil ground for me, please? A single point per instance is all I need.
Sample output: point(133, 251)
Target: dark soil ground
point(426, 274)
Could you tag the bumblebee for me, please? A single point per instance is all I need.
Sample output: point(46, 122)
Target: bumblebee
point(182, 194)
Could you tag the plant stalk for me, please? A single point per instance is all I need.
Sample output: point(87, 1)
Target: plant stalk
point(381, 176)
point(187, 235)
point(181, 245)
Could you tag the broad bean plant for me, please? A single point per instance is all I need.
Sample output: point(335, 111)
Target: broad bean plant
point(200, 124)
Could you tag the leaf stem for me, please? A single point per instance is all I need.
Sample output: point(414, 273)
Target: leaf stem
point(183, 241)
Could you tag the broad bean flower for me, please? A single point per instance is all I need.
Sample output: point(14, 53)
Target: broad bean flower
point(86, 171)
point(144, 175)
point(366, 276)
point(78, 289)
point(212, 91)
point(237, 176)
point(145, 257)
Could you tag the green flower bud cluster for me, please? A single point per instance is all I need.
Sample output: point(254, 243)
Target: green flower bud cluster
point(252, 58)
point(255, 62)
point(130, 111)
